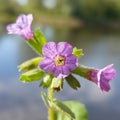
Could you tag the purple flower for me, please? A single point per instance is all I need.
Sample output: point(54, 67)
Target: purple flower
point(22, 26)
point(58, 59)
point(102, 77)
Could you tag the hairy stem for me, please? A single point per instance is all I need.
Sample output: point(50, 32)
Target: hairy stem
point(50, 110)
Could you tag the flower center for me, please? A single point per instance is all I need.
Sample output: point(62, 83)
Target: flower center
point(59, 60)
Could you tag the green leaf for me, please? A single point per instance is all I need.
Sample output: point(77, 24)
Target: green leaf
point(30, 64)
point(77, 108)
point(37, 42)
point(40, 39)
point(46, 82)
point(45, 99)
point(58, 107)
point(72, 82)
point(63, 109)
point(32, 75)
point(77, 52)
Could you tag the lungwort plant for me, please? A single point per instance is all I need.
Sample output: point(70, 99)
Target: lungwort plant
point(56, 63)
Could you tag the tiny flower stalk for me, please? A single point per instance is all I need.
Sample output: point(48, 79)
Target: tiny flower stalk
point(101, 77)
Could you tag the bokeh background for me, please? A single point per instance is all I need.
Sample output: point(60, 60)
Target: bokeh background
point(93, 25)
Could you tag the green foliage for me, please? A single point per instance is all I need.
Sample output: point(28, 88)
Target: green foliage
point(63, 109)
point(82, 71)
point(30, 70)
point(32, 75)
point(52, 82)
point(87, 10)
point(77, 52)
point(45, 99)
point(40, 38)
point(46, 82)
point(95, 10)
point(37, 41)
point(77, 108)
point(58, 106)
point(30, 64)
point(72, 82)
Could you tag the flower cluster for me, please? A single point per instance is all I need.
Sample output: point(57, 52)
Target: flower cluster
point(58, 58)
point(57, 62)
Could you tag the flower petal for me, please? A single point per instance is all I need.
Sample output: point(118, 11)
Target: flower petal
point(64, 48)
point(22, 20)
point(29, 18)
point(71, 62)
point(26, 33)
point(49, 50)
point(53, 51)
point(108, 72)
point(61, 72)
point(47, 65)
point(104, 76)
point(12, 29)
point(104, 85)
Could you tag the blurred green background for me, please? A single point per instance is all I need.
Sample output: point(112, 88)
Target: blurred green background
point(95, 12)
point(93, 25)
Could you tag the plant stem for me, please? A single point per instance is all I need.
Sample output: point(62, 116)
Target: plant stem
point(50, 110)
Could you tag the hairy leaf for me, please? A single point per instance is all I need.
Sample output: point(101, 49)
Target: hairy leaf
point(32, 75)
point(40, 39)
point(73, 82)
point(77, 108)
point(30, 64)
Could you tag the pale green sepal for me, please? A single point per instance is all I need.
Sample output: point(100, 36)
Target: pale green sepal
point(77, 108)
point(57, 84)
point(77, 52)
point(82, 71)
point(32, 75)
point(72, 82)
point(46, 82)
point(30, 64)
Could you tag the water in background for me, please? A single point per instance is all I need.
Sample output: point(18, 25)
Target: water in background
point(19, 101)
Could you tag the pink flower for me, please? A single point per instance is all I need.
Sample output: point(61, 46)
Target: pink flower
point(22, 26)
point(58, 59)
point(102, 77)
